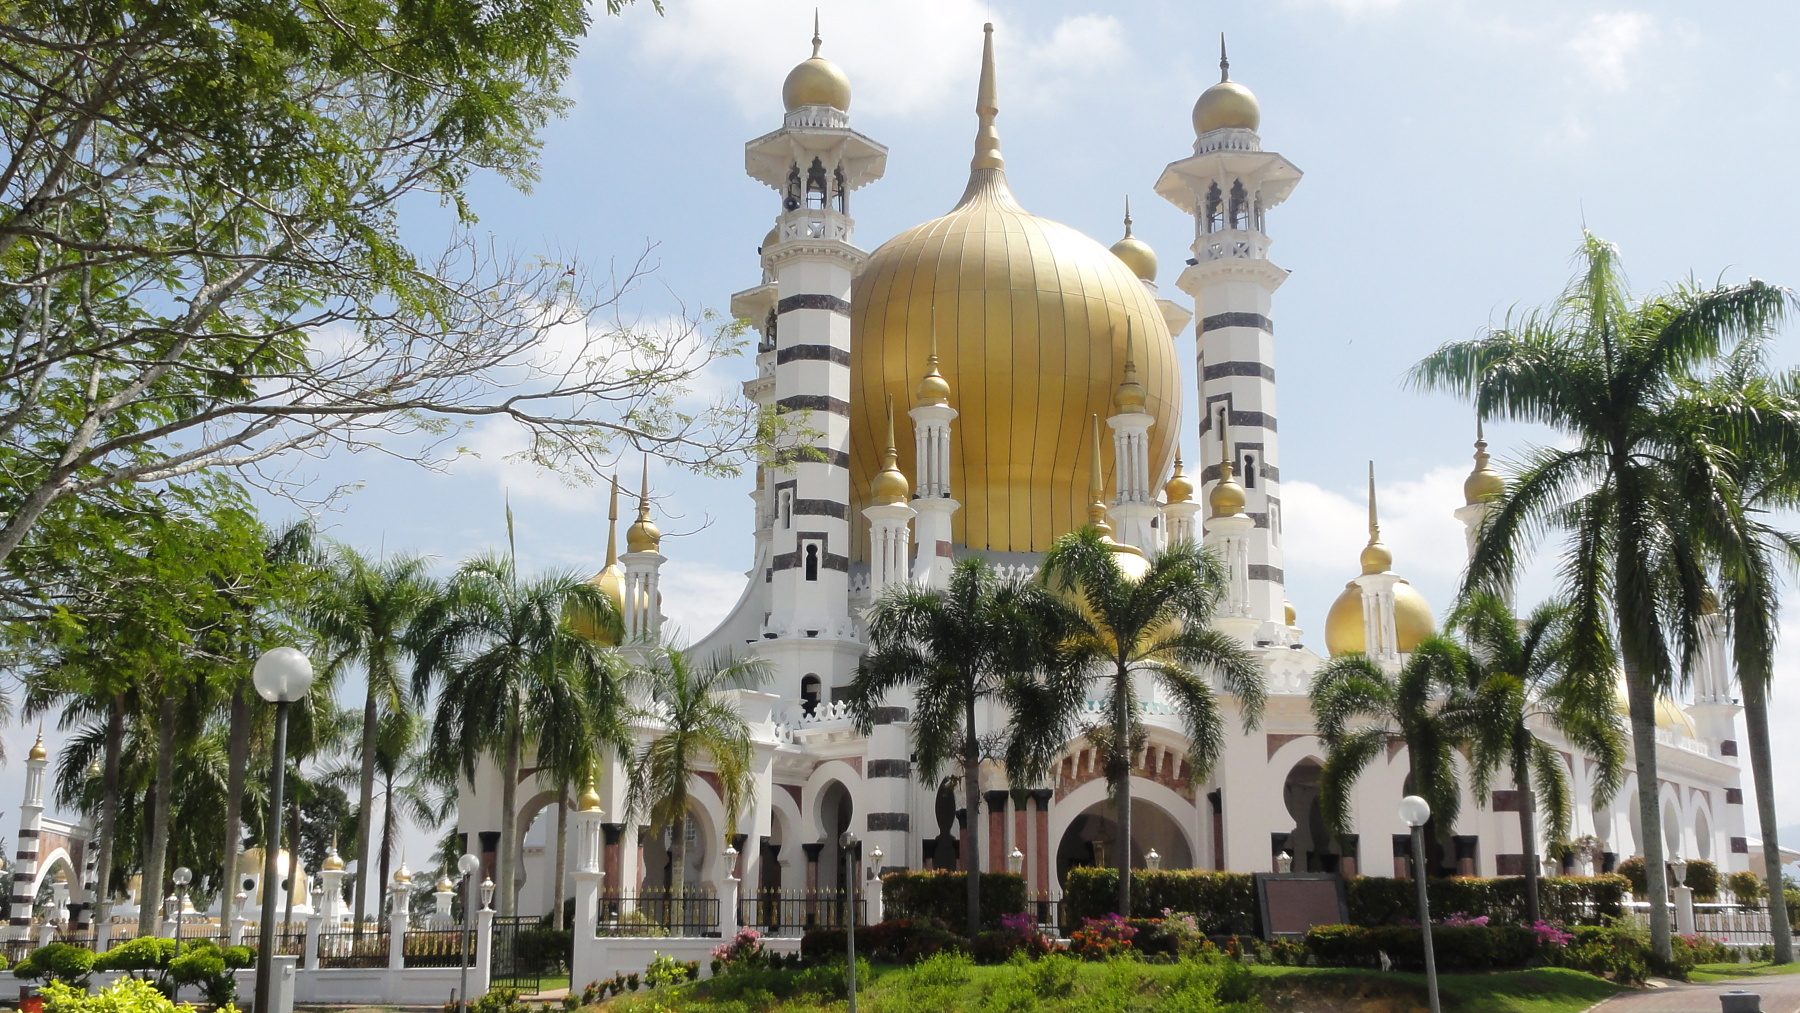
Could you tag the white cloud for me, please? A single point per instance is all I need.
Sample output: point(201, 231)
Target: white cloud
point(697, 596)
point(1324, 529)
point(499, 449)
point(1605, 44)
point(1355, 8)
point(900, 60)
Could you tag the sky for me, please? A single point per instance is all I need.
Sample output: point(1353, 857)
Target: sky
point(1453, 151)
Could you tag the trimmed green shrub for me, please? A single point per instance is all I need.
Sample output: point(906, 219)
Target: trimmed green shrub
point(1746, 887)
point(1382, 901)
point(942, 894)
point(1633, 870)
point(139, 958)
point(544, 949)
point(57, 962)
point(1703, 877)
point(895, 941)
point(1223, 903)
point(1458, 948)
point(127, 995)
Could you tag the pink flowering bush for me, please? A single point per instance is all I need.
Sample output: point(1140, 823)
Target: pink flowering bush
point(1550, 934)
point(1458, 919)
point(743, 950)
point(1099, 938)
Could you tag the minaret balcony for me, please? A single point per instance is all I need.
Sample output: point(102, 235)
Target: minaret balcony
point(1236, 244)
point(817, 225)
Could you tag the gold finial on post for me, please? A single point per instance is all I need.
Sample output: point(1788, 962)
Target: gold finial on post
point(987, 107)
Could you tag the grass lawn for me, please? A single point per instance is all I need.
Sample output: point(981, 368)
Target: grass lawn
point(1129, 985)
point(1756, 969)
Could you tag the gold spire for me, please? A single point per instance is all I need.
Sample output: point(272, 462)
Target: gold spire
point(1224, 61)
point(933, 388)
point(643, 535)
point(590, 796)
point(612, 525)
point(1178, 489)
point(1227, 498)
point(817, 41)
point(1136, 253)
point(38, 752)
point(1483, 483)
point(1097, 490)
point(1375, 556)
point(333, 862)
point(890, 485)
point(1129, 398)
point(987, 136)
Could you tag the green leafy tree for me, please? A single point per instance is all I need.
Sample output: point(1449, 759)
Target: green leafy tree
point(1643, 446)
point(1149, 619)
point(981, 638)
point(505, 657)
point(694, 725)
point(1520, 679)
point(361, 614)
point(1359, 707)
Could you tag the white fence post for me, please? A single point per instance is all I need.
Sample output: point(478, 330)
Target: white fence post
point(483, 971)
point(728, 896)
point(584, 962)
point(398, 915)
point(1684, 910)
point(309, 955)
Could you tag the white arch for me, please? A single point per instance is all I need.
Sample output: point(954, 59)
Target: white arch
point(823, 775)
point(1669, 801)
point(1703, 828)
point(1179, 810)
point(48, 862)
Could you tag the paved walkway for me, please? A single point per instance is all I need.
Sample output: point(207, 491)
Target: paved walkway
point(1780, 994)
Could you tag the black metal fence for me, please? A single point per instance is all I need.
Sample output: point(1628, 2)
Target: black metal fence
point(659, 914)
point(439, 947)
point(513, 965)
point(343, 949)
point(774, 913)
point(287, 944)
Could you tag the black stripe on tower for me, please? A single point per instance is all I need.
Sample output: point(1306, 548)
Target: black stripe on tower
point(1241, 418)
point(813, 301)
point(813, 353)
point(1210, 473)
point(821, 508)
point(1263, 571)
point(817, 455)
point(815, 403)
point(1218, 321)
point(1219, 370)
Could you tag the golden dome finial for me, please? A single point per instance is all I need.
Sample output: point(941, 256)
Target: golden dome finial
point(817, 41)
point(38, 752)
point(590, 796)
point(643, 535)
point(333, 862)
point(1375, 556)
point(1178, 489)
point(1224, 61)
point(933, 388)
point(1226, 104)
point(1227, 497)
point(612, 524)
point(1130, 396)
point(1483, 483)
point(1097, 489)
point(816, 81)
point(890, 485)
point(987, 107)
point(1136, 253)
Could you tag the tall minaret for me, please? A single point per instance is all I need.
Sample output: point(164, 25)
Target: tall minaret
point(1483, 486)
point(643, 561)
point(813, 161)
point(1381, 639)
point(31, 819)
point(1130, 423)
point(1228, 185)
point(932, 416)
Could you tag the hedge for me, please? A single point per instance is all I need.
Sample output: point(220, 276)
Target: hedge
point(942, 895)
point(1223, 903)
point(1702, 876)
point(1382, 901)
point(1458, 948)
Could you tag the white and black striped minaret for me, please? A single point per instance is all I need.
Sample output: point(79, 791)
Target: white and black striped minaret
point(1228, 185)
point(31, 819)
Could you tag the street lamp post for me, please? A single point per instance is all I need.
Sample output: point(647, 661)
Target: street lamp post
point(182, 877)
point(282, 676)
point(847, 841)
point(1415, 812)
point(466, 865)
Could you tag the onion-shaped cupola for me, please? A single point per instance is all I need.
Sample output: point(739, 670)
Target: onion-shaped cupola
point(816, 81)
point(1226, 105)
point(1135, 253)
point(1344, 623)
point(1483, 483)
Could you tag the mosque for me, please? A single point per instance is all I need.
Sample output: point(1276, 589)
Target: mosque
point(1034, 370)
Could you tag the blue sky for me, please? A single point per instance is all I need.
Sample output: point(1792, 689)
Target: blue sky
point(1453, 151)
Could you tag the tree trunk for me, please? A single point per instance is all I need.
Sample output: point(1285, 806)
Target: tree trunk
point(1528, 835)
point(1643, 748)
point(678, 854)
point(149, 906)
point(972, 804)
point(385, 859)
point(109, 807)
point(1756, 726)
point(562, 858)
point(237, 752)
point(507, 861)
point(365, 798)
point(1118, 773)
point(293, 850)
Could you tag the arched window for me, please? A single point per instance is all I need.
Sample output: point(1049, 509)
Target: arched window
point(840, 196)
point(791, 200)
point(812, 561)
point(1215, 220)
point(1249, 471)
point(809, 694)
point(815, 185)
point(787, 508)
point(1240, 205)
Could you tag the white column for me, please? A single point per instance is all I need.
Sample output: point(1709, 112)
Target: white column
point(643, 596)
point(890, 555)
point(1229, 537)
point(933, 501)
point(1133, 508)
point(1380, 638)
point(399, 916)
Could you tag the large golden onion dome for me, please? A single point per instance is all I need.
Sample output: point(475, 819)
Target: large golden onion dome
point(610, 580)
point(816, 82)
point(1031, 320)
point(1226, 104)
point(1483, 483)
point(1413, 621)
point(1669, 715)
point(1136, 253)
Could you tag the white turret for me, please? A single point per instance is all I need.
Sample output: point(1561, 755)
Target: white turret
point(932, 416)
point(1130, 422)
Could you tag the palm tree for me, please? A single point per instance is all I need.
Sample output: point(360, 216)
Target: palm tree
point(1751, 554)
point(507, 658)
point(1359, 708)
point(1148, 618)
point(361, 615)
point(411, 787)
point(1520, 678)
point(980, 638)
point(694, 727)
point(1641, 452)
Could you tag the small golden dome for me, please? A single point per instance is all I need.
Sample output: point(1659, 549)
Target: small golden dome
point(816, 82)
point(1136, 253)
point(1413, 621)
point(643, 535)
point(402, 875)
point(38, 752)
point(1179, 488)
point(1669, 715)
point(890, 486)
point(1130, 398)
point(1288, 613)
point(1227, 496)
point(445, 886)
point(1483, 483)
point(933, 389)
point(1226, 104)
point(590, 797)
point(773, 237)
point(333, 862)
point(62, 874)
